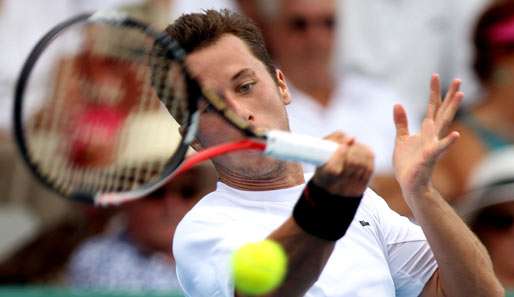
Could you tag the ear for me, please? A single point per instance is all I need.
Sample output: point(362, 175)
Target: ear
point(282, 87)
point(195, 144)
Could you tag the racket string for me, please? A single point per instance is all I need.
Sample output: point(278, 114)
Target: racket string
point(103, 97)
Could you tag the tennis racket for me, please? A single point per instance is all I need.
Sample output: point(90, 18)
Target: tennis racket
point(98, 106)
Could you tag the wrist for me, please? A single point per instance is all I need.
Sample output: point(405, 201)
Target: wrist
point(323, 214)
point(345, 188)
point(425, 195)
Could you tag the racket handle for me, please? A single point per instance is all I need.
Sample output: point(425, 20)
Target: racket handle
point(287, 146)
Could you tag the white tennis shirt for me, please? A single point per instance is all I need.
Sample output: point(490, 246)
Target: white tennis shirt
point(382, 253)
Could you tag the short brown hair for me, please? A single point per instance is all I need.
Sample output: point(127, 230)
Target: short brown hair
point(198, 30)
point(487, 49)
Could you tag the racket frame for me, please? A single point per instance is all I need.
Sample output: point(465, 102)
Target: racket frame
point(116, 19)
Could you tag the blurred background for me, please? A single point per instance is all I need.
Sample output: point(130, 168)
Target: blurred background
point(346, 63)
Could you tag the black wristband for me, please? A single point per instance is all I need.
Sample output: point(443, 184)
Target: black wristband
point(323, 214)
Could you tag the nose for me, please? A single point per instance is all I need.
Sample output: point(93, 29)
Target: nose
point(319, 35)
point(239, 107)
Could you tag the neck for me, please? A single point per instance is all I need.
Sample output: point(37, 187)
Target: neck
point(286, 176)
point(499, 102)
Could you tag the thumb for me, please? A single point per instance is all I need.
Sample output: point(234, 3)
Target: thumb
point(446, 142)
point(335, 165)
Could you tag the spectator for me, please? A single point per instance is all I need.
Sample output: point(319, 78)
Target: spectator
point(487, 125)
point(401, 42)
point(135, 254)
point(489, 210)
point(42, 258)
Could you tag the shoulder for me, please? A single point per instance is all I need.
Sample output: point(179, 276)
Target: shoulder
point(373, 204)
point(210, 222)
point(212, 210)
point(374, 209)
point(391, 226)
point(202, 246)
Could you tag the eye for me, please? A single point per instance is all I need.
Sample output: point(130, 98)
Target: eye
point(246, 88)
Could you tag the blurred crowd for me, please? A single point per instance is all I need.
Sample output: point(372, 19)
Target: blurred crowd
point(346, 63)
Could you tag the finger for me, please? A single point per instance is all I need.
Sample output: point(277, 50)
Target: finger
point(400, 121)
point(351, 170)
point(452, 90)
point(361, 171)
point(446, 142)
point(359, 159)
point(370, 168)
point(435, 96)
point(453, 105)
point(334, 136)
point(340, 138)
point(371, 164)
point(336, 163)
point(446, 118)
point(367, 176)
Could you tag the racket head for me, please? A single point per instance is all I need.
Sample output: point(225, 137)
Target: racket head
point(85, 88)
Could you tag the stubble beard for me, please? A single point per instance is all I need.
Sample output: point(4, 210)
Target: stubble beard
point(250, 166)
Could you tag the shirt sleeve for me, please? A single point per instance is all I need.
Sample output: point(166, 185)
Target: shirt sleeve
point(409, 256)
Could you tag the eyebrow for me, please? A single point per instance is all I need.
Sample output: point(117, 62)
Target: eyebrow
point(243, 72)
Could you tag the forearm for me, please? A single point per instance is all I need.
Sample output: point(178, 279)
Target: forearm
point(307, 256)
point(465, 268)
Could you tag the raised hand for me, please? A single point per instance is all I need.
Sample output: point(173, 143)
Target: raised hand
point(349, 170)
point(415, 155)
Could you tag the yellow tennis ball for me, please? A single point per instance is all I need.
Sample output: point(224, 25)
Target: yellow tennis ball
point(258, 268)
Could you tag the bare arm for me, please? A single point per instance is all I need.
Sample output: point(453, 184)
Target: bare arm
point(465, 268)
point(306, 260)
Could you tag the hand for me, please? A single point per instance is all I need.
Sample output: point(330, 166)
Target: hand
point(349, 170)
point(415, 155)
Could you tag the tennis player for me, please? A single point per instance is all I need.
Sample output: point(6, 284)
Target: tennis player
point(341, 238)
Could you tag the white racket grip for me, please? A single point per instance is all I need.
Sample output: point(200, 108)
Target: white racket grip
point(288, 146)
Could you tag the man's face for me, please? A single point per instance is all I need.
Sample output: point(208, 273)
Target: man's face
point(302, 35)
point(229, 68)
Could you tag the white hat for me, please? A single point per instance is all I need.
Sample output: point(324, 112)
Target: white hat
point(492, 182)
